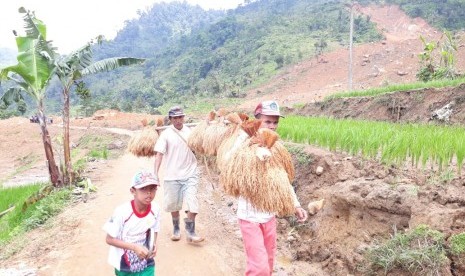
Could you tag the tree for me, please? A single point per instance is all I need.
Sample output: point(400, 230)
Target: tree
point(320, 46)
point(70, 69)
point(32, 75)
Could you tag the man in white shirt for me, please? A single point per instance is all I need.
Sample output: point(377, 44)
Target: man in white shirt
point(258, 229)
point(181, 174)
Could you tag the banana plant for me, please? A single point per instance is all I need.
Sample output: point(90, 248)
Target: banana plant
point(69, 70)
point(31, 76)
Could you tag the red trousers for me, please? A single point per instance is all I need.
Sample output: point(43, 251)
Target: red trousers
point(260, 246)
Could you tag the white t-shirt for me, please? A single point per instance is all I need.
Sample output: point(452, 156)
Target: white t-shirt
point(130, 226)
point(246, 211)
point(179, 161)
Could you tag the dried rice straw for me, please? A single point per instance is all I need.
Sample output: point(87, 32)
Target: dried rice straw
point(235, 119)
point(266, 184)
point(142, 143)
point(215, 134)
point(197, 135)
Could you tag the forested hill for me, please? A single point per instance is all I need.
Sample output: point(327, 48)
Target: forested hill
point(239, 49)
point(158, 28)
point(193, 53)
point(213, 54)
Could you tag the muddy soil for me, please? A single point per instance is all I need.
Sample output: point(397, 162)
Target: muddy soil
point(365, 202)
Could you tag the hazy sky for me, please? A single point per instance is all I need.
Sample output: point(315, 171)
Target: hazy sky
point(71, 24)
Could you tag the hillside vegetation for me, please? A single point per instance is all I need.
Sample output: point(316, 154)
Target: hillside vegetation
point(193, 53)
point(244, 48)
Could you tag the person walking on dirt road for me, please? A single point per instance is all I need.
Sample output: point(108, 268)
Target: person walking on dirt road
point(258, 228)
point(132, 229)
point(181, 174)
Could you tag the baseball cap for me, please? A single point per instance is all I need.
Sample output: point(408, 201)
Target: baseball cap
point(144, 178)
point(270, 108)
point(176, 111)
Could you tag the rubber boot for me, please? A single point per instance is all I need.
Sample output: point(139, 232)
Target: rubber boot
point(176, 230)
point(190, 230)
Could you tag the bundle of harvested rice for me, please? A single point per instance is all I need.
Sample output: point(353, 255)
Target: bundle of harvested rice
point(283, 158)
point(235, 120)
point(216, 134)
point(159, 121)
point(224, 149)
point(244, 117)
point(196, 137)
point(255, 173)
point(144, 122)
point(142, 143)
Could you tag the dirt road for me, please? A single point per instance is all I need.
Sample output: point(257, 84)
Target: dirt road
point(74, 242)
point(87, 256)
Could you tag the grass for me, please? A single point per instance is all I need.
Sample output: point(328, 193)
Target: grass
point(99, 153)
point(420, 250)
point(37, 212)
point(298, 151)
point(93, 141)
point(91, 147)
point(457, 244)
point(298, 105)
point(396, 88)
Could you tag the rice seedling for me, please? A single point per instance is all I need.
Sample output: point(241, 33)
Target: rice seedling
point(391, 143)
point(21, 219)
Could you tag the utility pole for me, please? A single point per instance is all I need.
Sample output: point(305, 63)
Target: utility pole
point(351, 35)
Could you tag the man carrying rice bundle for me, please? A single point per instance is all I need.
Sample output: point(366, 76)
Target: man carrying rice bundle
point(181, 176)
point(258, 228)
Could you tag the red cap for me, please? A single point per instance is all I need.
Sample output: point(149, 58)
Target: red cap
point(270, 108)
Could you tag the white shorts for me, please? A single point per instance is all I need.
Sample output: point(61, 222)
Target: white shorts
point(178, 191)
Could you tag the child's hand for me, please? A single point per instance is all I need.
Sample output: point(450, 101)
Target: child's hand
point(141, 251)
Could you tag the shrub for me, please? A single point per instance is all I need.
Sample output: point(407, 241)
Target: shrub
point(457, 244)
point(299, 153)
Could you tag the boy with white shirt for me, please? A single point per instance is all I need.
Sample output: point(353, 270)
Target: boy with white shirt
point(132, 229)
